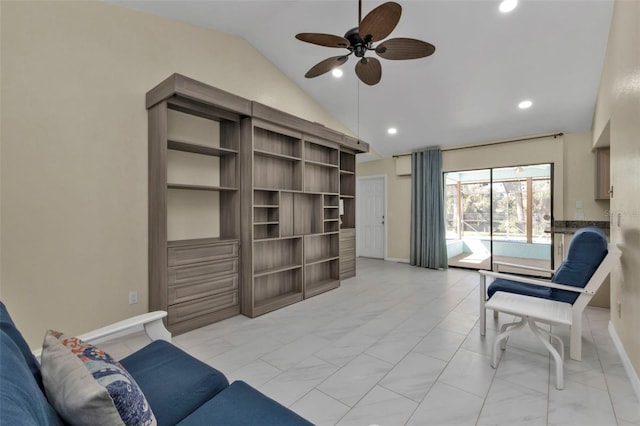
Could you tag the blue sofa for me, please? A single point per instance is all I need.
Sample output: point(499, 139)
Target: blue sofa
point(180, 389)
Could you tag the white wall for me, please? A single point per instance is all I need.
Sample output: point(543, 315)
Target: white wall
point(619, 103)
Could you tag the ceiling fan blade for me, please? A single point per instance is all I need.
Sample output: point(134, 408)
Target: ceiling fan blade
point(326, 66)
point(327, 40)
point(404, 48)
point(380, 22)
point(369, 71)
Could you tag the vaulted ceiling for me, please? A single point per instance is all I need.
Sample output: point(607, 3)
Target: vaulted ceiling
point(486, 62)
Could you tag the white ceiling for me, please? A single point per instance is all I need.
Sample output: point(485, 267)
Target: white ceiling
point(485, 63)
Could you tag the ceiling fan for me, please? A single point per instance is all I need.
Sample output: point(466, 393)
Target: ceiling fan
point(376, 26)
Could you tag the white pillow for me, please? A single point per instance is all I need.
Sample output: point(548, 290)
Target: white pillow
point(86, 386)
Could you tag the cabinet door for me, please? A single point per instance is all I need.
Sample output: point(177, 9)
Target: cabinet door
point(602, 184)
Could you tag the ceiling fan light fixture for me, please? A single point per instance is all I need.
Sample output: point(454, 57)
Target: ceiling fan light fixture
point(359, 41)
point(507, 6)
point(525, 104)
point(337, 72)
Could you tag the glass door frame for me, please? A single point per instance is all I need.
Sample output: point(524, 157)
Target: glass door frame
point(491, 193)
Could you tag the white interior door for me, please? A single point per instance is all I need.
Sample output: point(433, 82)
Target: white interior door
point(371, 216)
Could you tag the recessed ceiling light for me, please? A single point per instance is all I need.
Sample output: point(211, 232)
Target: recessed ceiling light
point(337, 72)
point(392, 130)
point(525, 104)
point(508, 5)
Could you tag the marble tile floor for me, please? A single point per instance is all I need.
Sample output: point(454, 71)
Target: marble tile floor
point(400, 345)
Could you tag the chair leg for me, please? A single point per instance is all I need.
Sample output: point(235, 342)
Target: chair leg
point(560, 344)
point(556, 356)
point(505, 327)
point(553, 337)
point(500, 338)
point(575, 350)
point(483, 310)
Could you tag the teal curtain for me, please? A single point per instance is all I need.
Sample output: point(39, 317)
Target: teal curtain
point(428, 237)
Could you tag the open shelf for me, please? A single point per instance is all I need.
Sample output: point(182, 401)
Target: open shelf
point(277, 302)
point(321, 154)
point(199, 187)
point(331, 213)
point(347, 162)
point(266, 231)
point(196, 148)
point(331, 201)
point(332, 225)
point(265, 215)
point(269, 142)
point(307, 214)
point(275, 255)
point(276, 155)
point(321, 164)
point(320, 248)
point(321, 276)
point(313, 289)
point(277, 289)
point(277, 173)
point(349, 216)
point(275, 270)
point(320, 260)
point(319, 178)
point(348, 185)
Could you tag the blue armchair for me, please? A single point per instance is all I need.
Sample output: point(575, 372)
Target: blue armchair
point(589, 261)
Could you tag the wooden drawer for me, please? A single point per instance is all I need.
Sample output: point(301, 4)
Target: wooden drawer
point(189, 310)
point(200, 289)
point(347, 233)
point(347, 245)
point(198, 253)
point(347, 270)
point(202, 271)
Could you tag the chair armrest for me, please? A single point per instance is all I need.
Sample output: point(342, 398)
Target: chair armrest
point(516, 265)
point(151, 322)
point(533, 281)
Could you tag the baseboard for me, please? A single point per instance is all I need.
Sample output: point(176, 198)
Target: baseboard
point(628, 367)
point(396, 259)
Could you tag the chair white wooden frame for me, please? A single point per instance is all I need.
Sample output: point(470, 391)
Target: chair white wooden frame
point(544, 311)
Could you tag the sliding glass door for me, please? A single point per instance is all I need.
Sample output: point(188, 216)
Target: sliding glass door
point(500, 214)
point(468, 218)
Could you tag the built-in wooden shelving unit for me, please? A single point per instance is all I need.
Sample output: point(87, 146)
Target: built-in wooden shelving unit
point(250, 208)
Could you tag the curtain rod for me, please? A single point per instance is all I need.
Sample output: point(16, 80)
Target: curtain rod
point(554, 135)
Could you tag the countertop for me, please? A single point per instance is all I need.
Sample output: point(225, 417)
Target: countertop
point(571, 226)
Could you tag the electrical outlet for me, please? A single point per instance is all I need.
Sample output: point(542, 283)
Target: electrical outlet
point(133, 297)
point(619, 309)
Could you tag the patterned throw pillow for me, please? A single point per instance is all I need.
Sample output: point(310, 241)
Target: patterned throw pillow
point(86, 386)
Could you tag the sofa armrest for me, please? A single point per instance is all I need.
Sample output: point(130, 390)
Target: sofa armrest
point(533, 281)
point(151, 322)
